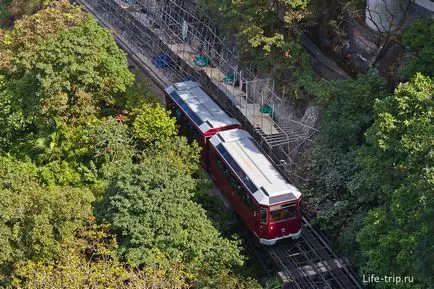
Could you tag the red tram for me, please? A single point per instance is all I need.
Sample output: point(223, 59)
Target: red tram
point(268, 204)
point(198, 116)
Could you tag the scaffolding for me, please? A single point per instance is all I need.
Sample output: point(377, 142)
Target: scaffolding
point(184, 46)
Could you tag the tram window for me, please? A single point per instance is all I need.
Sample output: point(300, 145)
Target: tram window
point(283, 212)
point(247, 200)
point(219, 164)
point(240, 190)
point(195, 133)
point(177, 114)
point(233, 181)
point(222, 167)
point(244, 195)
point(263, 216)
point(190, 129)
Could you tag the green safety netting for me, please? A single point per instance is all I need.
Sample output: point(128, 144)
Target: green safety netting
point(229, 78)
point(266, 109)
point(200, 60)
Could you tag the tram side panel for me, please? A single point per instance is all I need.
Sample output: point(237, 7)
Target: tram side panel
point(237, 194)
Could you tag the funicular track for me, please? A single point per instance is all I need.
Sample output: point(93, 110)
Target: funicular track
point(306, 263)
point(310, 263)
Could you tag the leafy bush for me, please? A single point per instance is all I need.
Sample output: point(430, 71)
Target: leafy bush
point(346, 113)
point(397, 236)
point(154, 124)
point(419, 36)
point(36, 222)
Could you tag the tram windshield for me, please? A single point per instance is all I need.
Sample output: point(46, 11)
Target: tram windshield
point(283, 212)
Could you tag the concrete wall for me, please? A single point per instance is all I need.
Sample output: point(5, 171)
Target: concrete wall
point(422, 8)
point(385, 15)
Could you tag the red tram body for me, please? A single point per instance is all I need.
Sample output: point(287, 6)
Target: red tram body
point(198, 116)
point(267, 203)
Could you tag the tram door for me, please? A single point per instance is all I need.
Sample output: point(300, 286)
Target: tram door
point(263, 221)
point(206, 153)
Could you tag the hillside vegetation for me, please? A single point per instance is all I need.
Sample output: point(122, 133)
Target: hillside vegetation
point(93, 194)
point(371, 172)
point(96, 189)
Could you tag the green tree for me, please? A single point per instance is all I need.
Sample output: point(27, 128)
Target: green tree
point(36, 221)
point(398, 238)
point(154, 124)
point(177, 151)
point(90, 262)
point(113, 144)
point(57, 17)
point(261, 24)
point(346, 110)
point(149, 206)
point(266, 37)
point(419, 37)
point(11, 115)
point(58, 64)
point(14, 9)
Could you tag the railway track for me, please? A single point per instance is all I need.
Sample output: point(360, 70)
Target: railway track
point(310, 263)
point(256, 251)
point(306, 263)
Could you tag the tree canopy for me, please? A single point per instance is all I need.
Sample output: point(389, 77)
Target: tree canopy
point(154, 124)
point(399, 237)
point(265, 36)
point(97, 190)
point(36, 221)
point(150, 205)
point(90, 262)
point(77, 138)
point(419, 38)
point(347, 112)
point(58, 65)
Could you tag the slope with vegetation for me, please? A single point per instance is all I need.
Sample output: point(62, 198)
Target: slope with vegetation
point(371, 172)
point(96, 189)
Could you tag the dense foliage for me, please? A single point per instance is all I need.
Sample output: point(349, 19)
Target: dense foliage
point(76, 133)
point(36, 220)
point(148, 129)
point(92, 195)
point(266, 38)
point(419, 37)
point(377, 152)
point(398, 236)
point(14, 9)
point(147, 211)
point(346, 114)
point(90, 262)
point(57, 73)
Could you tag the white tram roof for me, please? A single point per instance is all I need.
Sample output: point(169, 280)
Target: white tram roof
point(199, 106)
point(253, 168)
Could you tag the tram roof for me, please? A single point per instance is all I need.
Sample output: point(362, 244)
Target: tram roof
point(199, 106)
point(253, 168)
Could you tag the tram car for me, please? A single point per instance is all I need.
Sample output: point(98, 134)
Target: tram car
point(265, 201)
point(198, 116)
